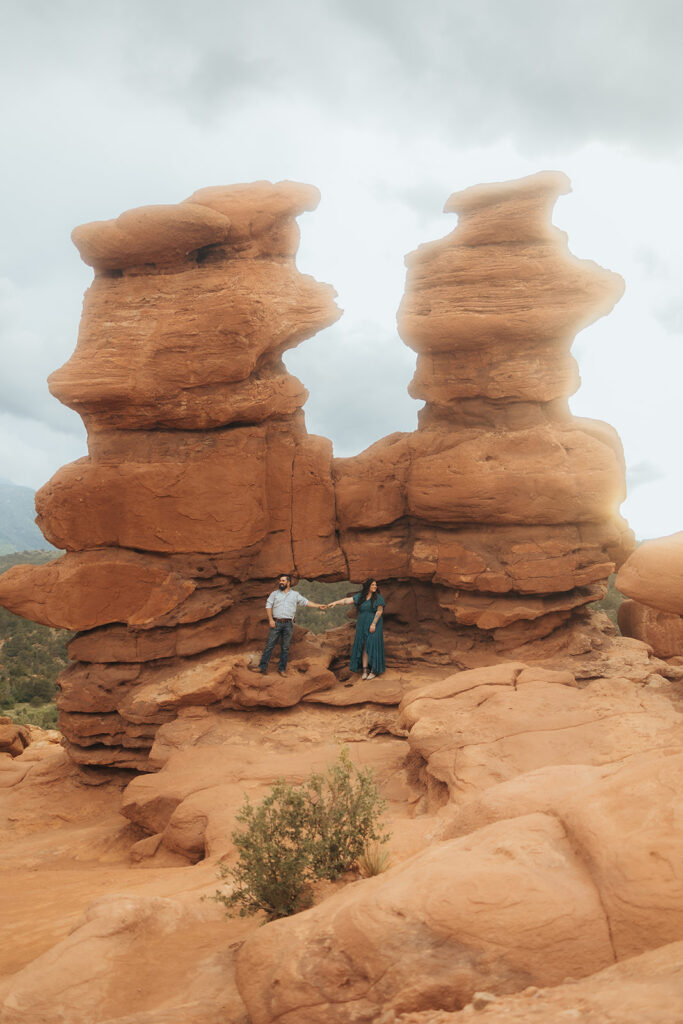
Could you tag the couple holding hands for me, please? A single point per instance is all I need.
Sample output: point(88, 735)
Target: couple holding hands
point(367, 653)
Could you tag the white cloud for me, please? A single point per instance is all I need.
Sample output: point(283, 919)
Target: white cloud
point(31, 452)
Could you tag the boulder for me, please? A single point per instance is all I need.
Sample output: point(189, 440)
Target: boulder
point(13, 738)
point(662, 631)
point(653, 574)
point(482, 727)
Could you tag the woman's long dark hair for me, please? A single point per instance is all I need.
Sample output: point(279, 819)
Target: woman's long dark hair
point(365, 590)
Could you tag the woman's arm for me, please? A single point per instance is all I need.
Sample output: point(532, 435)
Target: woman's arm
point(378, 616)
point(342, 600)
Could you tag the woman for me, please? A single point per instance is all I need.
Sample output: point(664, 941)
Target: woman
point(368, 645)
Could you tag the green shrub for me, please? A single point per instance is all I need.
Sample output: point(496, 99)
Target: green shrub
point(344, 806)
point(299, 834)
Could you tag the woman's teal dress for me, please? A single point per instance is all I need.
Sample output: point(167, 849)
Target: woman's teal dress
point(373, 642)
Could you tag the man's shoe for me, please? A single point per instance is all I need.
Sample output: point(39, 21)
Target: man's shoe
point(282, 671)
point(256, 668)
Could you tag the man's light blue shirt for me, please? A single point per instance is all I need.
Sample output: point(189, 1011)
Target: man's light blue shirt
point(284, 605)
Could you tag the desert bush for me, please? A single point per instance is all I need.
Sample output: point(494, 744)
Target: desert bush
point(273, 866)
point(299, 834)
point(344, 806)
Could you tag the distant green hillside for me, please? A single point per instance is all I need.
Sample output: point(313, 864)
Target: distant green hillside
point(31, 657)
point(27, 558)
point(18, 532)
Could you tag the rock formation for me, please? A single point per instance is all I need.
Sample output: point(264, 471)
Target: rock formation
point(501, 510)
point(13, 738)
point(531, 762)
point(200, 476)
point(492, 526)
point(653, 577)
point(554, 802)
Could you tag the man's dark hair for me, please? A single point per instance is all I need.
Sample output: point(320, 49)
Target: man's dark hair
point(287, 575)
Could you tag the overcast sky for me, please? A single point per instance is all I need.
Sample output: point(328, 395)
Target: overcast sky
point(387, 106)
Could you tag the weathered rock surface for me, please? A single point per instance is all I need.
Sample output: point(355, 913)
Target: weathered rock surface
point(653, 574)
point(93, 588)
point(433, 931)
point(492, 527)
point(195, 319)
point(647, 989)
point(13, 738)
point(553, 873)
point(475, 729)
point(663, 631)
point(653, 577)
point(200, 474)
point(533, 804)
point(500, 490)
point(559, 883)
point(208, 760)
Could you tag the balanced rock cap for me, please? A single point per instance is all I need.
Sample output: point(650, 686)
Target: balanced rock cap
point(149, 234)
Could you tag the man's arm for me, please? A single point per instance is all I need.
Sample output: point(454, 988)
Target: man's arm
point(269, 611)
point(311, 604)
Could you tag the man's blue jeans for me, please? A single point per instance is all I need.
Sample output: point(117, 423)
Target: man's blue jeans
point(282, 632)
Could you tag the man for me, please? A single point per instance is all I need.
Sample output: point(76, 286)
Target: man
point(281, 608)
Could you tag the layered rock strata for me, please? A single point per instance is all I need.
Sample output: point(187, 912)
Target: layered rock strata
point(200, 475)
point(502, 506)
point(491, 527)
point(652, 577)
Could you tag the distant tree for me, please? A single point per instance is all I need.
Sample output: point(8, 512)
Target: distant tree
point(323, 593)
point(610, 602)
point(31, 655)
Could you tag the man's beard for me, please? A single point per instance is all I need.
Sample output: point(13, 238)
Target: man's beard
point(282, 586)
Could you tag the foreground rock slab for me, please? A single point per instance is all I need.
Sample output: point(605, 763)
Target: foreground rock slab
point(647, 989)
point(582, 867)
point(479, 728)
point(499, 910)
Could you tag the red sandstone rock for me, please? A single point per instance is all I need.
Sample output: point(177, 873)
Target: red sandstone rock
point(500, 491)
point(493, 559)
point(482, 727)
point(212, 489)
point(199, 345)
point(13, 738)
point(145, 942)
point(81, 591)
point(511, 270)
point(642, 990)
point(492, 525)
point(653, 575)
point(120, 706)
point(433, 931)
point(663, 631)
point(465, 916)
point(539, 476)
point(261, 214)
point(149, 235)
